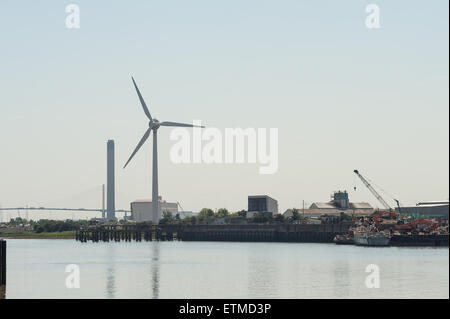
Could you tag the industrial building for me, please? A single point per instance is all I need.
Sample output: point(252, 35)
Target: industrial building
point(142, 210)
point(338, 204)
point(261, 204)
point(439, 209)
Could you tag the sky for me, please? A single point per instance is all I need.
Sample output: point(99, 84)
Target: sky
point(342, 96)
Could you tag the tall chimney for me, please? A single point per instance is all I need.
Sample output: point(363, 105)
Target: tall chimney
point(111, 201)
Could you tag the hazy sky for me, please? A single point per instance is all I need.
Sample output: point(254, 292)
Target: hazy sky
point(341, 95)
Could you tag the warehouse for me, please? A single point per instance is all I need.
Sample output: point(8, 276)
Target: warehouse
point(439, 209)
point(142, 210)
point(339, 204)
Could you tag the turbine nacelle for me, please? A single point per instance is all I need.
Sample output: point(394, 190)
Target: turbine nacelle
point(154, 124)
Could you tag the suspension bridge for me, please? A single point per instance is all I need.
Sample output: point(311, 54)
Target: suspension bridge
point(65, 208)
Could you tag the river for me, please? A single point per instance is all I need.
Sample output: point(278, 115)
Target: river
point(37, 269)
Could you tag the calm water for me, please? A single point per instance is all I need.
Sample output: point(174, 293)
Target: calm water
point(36, 269)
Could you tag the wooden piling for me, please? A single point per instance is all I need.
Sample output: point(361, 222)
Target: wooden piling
point(2, 269)
point(323, 233)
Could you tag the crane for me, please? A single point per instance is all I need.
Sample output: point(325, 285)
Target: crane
point(398, 206)
point(373, 191)
point(182, 210)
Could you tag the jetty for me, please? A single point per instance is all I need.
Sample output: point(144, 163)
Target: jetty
point(306, 233)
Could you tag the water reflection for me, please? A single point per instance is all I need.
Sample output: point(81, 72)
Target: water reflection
point(341, 273)
point(261, 282)
point(222, 270)
point(154, 269)
point(110, 271)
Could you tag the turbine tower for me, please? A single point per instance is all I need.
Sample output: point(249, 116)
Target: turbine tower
point(153, 125)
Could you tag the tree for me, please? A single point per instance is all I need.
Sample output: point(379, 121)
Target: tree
point(45, 225)
point(205, 215)
point(167, 218)
point(38, 229)
point(295, 214)
point(239, 214)
point(222, 213)
point(279, 218)
point(262, 217)
point(206, 212)
point(242, 213)
point(189, 220)
point(17, 221)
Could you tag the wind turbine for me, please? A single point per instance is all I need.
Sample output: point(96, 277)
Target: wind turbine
point(154, 125)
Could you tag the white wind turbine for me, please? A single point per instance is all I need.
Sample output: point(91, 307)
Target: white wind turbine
point(154, 125)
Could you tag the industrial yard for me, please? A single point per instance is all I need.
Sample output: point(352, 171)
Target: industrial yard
point(338, 220)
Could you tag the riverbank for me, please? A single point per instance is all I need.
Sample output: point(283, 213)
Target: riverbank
point(33, 235)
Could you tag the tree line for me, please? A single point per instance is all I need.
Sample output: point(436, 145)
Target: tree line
point(49, 226)
point(208, 215)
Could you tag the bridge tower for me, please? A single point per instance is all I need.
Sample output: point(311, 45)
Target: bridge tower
point(103, 202)
point(110, 190)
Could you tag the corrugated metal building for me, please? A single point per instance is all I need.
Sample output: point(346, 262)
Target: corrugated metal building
point(438, 209)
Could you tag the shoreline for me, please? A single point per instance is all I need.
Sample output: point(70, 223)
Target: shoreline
point(73, 237)
point(37, 237)
point(32, 235)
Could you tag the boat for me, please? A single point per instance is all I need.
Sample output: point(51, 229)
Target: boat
point(367, 238)
point(343, 239)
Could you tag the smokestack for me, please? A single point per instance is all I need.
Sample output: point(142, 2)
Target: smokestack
point(111, 200)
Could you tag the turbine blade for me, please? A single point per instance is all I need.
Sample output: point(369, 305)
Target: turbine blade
point(144, 106)
point(178, 124)
point(141, 142)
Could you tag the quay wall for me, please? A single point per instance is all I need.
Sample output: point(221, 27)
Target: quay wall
point(419, 240)
point(323, 233)
point(302, 233)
